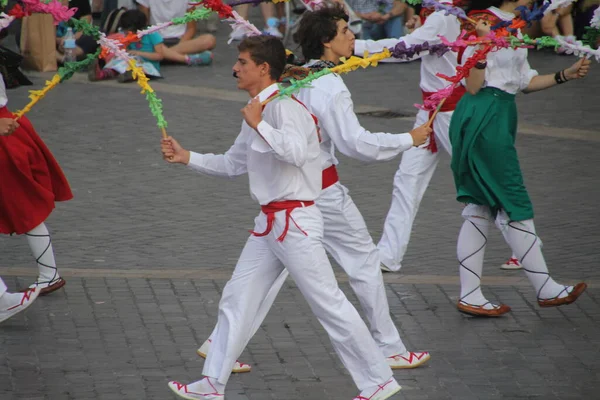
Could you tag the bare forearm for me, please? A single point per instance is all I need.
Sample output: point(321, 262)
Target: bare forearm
point(540, 82)
point(153, 56)
point(397, 9)
point(475, 80)
point(190, 31)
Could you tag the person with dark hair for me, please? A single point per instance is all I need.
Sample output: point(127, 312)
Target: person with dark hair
point(148, 52)
point(278, 147)
point(486, 167)
point(418, 164)
point(324, 38)
point(32, 181)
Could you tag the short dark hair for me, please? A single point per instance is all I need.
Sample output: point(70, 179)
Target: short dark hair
point(318, 27)
point(266, 49)
point(133, 21)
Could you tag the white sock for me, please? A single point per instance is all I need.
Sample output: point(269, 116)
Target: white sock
point(41, 247)
point(472, 240)
point(8, 300)
point(503, 229)
point(528, 247)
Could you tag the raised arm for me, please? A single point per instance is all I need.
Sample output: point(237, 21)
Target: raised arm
point(434, 25)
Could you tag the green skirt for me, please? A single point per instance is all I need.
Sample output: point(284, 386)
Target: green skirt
point(484, 159)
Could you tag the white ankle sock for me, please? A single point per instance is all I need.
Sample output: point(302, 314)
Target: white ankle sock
point(41, 247)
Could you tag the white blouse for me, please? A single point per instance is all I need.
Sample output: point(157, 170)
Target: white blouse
point(507, 69)
point(282, 158)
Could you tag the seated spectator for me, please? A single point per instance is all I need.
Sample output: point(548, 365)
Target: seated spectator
point(180, 44)
point(559, 22)
point(85, 44)
point(271, 22)
point(147, 52)
point(382, 19)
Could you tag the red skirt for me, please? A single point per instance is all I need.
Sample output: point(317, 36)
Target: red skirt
point(30, 179)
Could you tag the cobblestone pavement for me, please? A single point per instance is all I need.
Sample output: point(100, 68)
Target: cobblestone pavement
point(146, 249)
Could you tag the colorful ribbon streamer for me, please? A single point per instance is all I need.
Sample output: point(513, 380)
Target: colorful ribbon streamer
point(348, 65)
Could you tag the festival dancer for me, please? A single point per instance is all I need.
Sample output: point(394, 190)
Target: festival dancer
point(13, 303)
point(486, 167)
point(281, 155)
point(31, 182)
point(325, 38)
point(418, 164)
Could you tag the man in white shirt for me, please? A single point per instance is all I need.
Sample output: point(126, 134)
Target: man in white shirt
point(182, 46)
point(418, 164)
point(279, 150)
point(325, 37)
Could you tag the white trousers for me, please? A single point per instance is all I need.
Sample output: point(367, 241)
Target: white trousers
point(260, 265)
point(410, 182)
point(347, 239)
point(2, 287)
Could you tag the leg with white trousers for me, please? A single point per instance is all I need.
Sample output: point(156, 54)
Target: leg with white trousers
point(262, 261)
point(347, 239)
point(13, 303)
point(410, 182)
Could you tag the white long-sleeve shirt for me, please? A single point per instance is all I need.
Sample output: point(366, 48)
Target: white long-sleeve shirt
point(507, 69)
point(436, 24)
point(282, 162)
point(330, 101)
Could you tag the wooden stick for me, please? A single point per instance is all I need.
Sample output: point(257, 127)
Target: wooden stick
point(267, 101)
point(164, 133)
point(437, 110)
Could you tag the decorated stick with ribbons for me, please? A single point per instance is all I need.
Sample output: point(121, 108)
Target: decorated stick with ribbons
point(155, 104)
point(351, 64)
point(437, 110)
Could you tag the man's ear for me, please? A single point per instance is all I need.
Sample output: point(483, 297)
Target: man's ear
point(265, 69)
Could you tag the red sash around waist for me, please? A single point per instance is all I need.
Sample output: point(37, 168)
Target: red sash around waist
point(330, 177)
point(287, 205)
point(449, 105)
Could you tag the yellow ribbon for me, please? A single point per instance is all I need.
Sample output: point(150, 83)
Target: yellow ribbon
point(354, 63)
point(37, 95)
